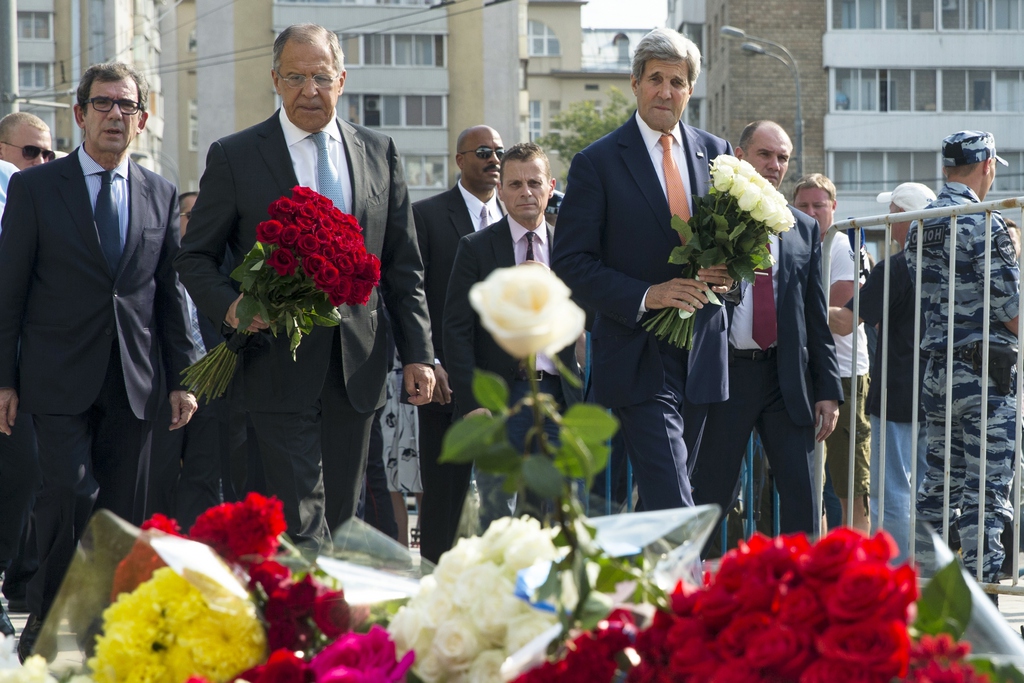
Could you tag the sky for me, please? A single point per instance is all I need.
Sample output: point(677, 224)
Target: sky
point(624, 13)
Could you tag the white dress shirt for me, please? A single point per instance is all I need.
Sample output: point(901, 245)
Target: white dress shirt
point(475, 206)
point(541, 254)
point(302, 150)
point(119, 187)
point(741, 328)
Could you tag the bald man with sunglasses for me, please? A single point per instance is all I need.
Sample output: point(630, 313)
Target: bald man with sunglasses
point(25, 140)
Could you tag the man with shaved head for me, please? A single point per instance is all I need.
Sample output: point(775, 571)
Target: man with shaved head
point(441, 221)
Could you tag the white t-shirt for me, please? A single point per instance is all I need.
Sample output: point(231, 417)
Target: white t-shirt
point(842, 269)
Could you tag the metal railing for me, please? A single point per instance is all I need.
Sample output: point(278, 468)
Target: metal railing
point(885, 222)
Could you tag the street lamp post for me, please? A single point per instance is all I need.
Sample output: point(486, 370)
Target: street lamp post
point(786, 58)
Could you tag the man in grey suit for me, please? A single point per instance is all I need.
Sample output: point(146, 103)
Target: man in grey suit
point(312, 416)
point(91, 312)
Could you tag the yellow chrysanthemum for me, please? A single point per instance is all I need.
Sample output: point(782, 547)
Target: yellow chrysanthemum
point(164, 632)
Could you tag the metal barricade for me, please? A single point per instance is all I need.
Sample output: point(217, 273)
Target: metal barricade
point(884, 222)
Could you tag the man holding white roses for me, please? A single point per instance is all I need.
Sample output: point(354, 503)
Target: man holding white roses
point(783, 374)
point(612, 248)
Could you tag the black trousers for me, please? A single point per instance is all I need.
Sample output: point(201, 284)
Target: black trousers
point(444, 486)
point(19, 482)
point(755, 401)
point(96, 459)
point(315, 459)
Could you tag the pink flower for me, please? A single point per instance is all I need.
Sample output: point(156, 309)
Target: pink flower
point(361, 658)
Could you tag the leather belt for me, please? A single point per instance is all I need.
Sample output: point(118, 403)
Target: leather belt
point(753, 354)
point(523, 376)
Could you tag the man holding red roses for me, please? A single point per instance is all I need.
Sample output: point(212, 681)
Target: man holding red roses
point(312, 415)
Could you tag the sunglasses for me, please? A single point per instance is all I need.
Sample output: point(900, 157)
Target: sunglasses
point(30, 152)
point(484, 152)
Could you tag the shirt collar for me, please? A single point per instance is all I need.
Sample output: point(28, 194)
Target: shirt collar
point(90, 167)
point(474, 204)
point(652, 138)
point(962, 190)
point(519, 232)
point(294, 135)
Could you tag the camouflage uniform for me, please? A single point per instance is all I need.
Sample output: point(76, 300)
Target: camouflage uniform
point(968, 317)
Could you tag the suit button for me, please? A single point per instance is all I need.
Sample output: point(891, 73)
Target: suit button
point(108, 331)
point(115, 292)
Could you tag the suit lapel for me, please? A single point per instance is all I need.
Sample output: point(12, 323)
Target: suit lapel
point(461, 222)
point(785, 266)
point(501, 242)
point(138, 208)
point(638, 160)
point(697, 168)
point(355, 153)
point(274, 151)
point(76, 197)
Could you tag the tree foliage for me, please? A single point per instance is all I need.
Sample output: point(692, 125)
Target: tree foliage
point(582, 123)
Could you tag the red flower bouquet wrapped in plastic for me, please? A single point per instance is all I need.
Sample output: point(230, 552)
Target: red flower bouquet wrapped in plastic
point(309, 258)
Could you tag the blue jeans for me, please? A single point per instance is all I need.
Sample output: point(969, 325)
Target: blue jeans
point(898, 491)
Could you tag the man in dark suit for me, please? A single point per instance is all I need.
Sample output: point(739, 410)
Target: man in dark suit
point(612, 247)
point(98, 231)
point(783, 374)
point(521, 237)
point(441, 221)
point(312, 416)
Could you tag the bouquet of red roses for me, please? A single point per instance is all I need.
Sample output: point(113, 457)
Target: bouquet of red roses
point(309, 258)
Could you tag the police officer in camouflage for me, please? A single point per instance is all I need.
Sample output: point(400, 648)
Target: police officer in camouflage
point(969, 164)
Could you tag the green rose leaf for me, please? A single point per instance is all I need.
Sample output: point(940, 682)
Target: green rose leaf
point(468, 437)
point(541, 476)
point(490, 391)
point(945, 603)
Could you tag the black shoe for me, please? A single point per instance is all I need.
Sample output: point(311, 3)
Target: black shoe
point(18, 606)
point(28, 638)
point(6, 627)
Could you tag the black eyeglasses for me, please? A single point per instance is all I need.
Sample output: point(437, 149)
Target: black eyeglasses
point(30, 152)
point(322, 81)
point(105, 104)
point(485, 152)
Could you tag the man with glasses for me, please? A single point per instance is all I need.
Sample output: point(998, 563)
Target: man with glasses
point(91, 311)
point(25, 140)
point(441, 221)
point(312, 416)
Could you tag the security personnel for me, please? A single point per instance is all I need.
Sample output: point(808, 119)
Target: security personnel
point(969, 164)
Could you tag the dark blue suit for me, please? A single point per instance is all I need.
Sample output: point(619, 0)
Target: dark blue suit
point(775, 395)
point(613, 242)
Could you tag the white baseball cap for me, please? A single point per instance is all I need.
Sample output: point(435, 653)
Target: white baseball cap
point(908, 196)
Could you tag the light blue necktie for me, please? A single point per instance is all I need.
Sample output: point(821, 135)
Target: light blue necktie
point(197, 333)
point(326, 175)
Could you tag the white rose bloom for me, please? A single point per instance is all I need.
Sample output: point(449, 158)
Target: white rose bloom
point(739, 186)
point(527, 310)
point(722, 178)
point(760, 212)
point(493, 610)
point(745, 170)
point(487, 667)
point(526, 627)
point(527, 551)
point(749, 199)
point(456, 644)
point(483, 578)
point(726, 161)
point(428, 667)
point(33, 671)
point(502, 532)
point(410, 630)
point(453, 563)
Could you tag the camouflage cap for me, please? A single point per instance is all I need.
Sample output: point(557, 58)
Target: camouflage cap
point(969, 147)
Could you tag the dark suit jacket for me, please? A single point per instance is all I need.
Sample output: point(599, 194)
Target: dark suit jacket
point(808, 369)
point(63, 305)
point(248, 170)
point(469, 345)
point(613, 241)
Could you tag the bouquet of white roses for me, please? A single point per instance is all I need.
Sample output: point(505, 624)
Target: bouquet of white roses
point(466, 618)
point(730, 226)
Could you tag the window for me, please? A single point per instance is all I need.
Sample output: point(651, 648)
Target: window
point(535, 120)
point(621, 43)
point(877, 171)
point(692, 112)
point(554, 109)
point(856, 89)
point(375, 111)
point(399, 49)
point(193, 125)
point(1008, 91)
point(954, 90)
point(854, 14)
point(193, 40)
point(33, 25)
point(542, 40)
point(1010, 179)
point(33, 75)
point(1005, 15)
point(425, 171)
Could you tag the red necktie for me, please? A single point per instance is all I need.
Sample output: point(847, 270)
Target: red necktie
point(765, 326)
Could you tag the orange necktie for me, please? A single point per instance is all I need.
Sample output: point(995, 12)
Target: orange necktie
point(674, 186)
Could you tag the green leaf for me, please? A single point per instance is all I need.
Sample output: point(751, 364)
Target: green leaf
point(499, 458)
point(945, 603)
point(466, 438)
point(593, 423)
point(247, 309)
point(541, 476)
point(490, 391)
point(683, 228)
point(596, 607)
